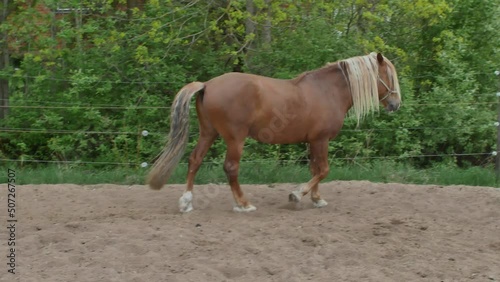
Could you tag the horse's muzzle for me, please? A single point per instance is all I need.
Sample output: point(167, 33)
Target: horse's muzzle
point(393, 106)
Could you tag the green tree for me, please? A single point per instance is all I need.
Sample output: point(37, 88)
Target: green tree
point(92, 79)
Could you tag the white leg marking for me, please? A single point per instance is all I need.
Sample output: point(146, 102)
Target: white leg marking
point(249, 208)
point(295, 196)
point(186, 202)
point(320, 203)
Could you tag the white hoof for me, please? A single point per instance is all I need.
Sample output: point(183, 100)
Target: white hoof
point(186, 202)
point(320, 203)
point(295, 196)
point(248, 208)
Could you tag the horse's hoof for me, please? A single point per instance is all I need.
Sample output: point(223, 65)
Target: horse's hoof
point(186, 202)
point(295, 196)
point(320, 203)
point(248, 208)
point(185, 209)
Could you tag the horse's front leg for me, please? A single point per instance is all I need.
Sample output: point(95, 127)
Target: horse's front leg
point(319, 170)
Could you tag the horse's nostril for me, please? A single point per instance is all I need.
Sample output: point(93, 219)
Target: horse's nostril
point(391, 107)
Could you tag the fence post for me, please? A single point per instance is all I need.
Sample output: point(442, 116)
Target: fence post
point(143, 134)
point(497, 155)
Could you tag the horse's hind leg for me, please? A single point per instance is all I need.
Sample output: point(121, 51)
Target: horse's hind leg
point(319, 170)
point(231, 168)
point(195, 159)
point(207, 137)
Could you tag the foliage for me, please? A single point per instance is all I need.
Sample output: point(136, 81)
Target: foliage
point(87, 83)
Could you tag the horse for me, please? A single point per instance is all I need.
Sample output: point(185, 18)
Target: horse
point(309, 108)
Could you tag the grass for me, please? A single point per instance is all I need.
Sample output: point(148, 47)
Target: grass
point(262, 173)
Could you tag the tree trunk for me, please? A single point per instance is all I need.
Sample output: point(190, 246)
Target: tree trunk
point(4, 63)
point(131, 4)
point(250, 28)
point(249, 23)
point(266, 32)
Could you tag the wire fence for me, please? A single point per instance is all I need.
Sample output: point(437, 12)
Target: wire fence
point(261, 161)
point(144, 132)
point(144, 164)
point(76, 106)
point(31, 104)
point(94, 80)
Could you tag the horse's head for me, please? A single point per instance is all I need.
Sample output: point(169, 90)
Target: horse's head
point(388, 86)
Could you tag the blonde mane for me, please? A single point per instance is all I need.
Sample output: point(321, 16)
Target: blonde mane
point(362, 74)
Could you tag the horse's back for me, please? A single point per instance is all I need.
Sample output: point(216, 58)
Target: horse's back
point(236, 82)
point(255, 106)
point(234, 94)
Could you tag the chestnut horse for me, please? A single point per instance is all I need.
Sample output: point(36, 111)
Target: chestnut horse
point(309, 108)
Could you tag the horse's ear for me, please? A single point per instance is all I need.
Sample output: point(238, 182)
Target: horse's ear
point(380, 58)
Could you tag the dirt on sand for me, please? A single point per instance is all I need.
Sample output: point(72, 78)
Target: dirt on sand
point(368, 232)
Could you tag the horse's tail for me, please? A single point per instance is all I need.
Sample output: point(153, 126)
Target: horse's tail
point(177, 139)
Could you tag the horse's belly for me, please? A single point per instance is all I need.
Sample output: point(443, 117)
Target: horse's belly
point(276, 133)
point(280, 125)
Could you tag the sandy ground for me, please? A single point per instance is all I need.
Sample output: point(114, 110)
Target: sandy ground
point(368, 232)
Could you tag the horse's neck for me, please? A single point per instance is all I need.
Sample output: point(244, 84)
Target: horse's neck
point(332, 81)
